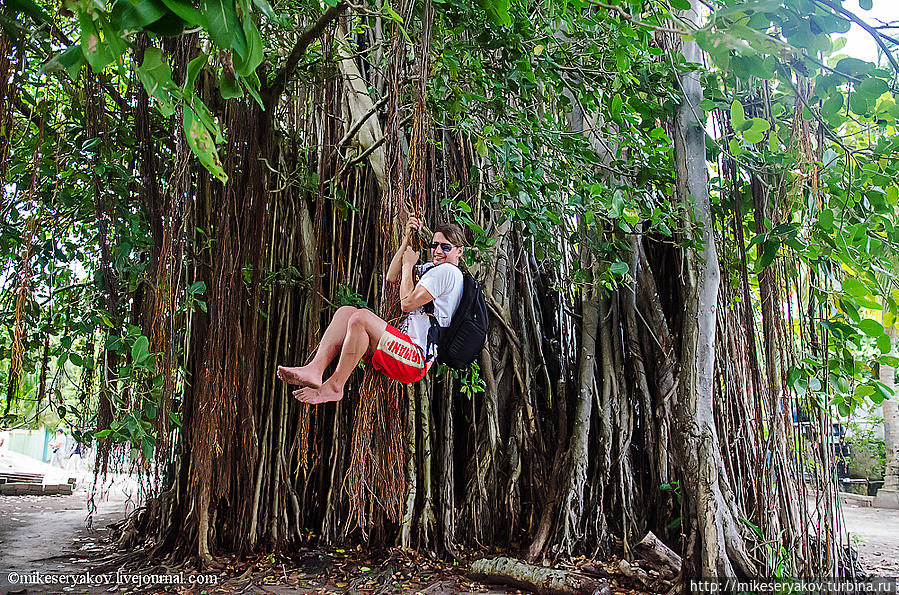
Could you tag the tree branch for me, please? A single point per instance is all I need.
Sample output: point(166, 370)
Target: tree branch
point(355, 127)
point(310, 34)
point(878, 37)
point(628, 17)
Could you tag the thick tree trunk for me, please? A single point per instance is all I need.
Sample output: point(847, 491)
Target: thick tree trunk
point(572, 506)
point(714, 543)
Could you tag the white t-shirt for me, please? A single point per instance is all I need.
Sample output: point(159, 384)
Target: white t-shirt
point(445, 284)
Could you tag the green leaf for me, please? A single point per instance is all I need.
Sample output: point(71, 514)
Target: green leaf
point(884, 343)
point(254, 54)
point(146, 447)
point(737, 114)
point(680, 4)
point(193, 71)
point(140, 351)
point(619, 268)
point(498, 11)
point(187, 12)
point(200, 141)
point(825, 220)
point(266, 9)
point(156, 77)
point(870, 327)
point(30, 8)
point(769, 251)
point(95, 50)
point(229, 87)
point(843, 408)
point(892, 197)
point(126, 14)
point(224, 27)
point(863, 390)
point(251, 83)
point(206, 118)
point(756, 132)
point(872, 88)
point(197, 288)
point(832, 106)
point(615, 109)
point(170, 25)
point(855, 288)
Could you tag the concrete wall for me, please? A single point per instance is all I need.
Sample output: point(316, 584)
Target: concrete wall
point(32, 443)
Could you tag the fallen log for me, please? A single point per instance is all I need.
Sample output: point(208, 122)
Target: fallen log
point(537, 579)
point(658, 555)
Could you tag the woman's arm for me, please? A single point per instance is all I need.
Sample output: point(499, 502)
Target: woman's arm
point(412, 296)
point(396, 263)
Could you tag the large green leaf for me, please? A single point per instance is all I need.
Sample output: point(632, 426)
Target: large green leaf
point(170, 25)
point(156, 77)
point(129, 14)
point(870, 327)
point(224, 26)
point(187, 12)
point(200, 141)
point(95, 50)
point(254, 55)
point(266, 9)
point(229, 87)
point(854, 287)
point(872, 88)
point(193, 70)
point(140, 351)
point(498, 11)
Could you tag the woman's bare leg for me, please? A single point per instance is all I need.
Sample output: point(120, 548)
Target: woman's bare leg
point(364, 330)
point(328, 348)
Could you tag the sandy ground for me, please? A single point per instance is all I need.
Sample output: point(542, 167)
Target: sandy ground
point(53, 535)
point(877, 530)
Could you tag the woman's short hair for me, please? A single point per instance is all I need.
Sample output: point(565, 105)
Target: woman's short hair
point(452, 232)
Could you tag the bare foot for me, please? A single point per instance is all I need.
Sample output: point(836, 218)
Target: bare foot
point(301, 376)
point(314, 396)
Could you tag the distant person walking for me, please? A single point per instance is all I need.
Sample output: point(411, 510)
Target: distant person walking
point(74, 460)
point(57, 446)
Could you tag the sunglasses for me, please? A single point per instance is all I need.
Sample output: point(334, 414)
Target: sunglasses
point(443, 246)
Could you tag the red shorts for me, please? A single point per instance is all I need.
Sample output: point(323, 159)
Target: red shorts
point(398, 357)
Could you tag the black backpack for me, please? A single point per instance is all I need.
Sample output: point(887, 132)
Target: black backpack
point(460, 343)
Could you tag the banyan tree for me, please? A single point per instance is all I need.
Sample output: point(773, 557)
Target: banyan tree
point(653, 211)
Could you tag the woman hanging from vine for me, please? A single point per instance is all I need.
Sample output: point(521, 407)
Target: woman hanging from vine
point(403, 353)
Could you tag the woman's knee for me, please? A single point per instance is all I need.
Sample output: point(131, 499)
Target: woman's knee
point(358, 318)
point(345, 312)
point(362, 318)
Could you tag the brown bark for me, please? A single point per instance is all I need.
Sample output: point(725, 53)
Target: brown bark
point(715, 545)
